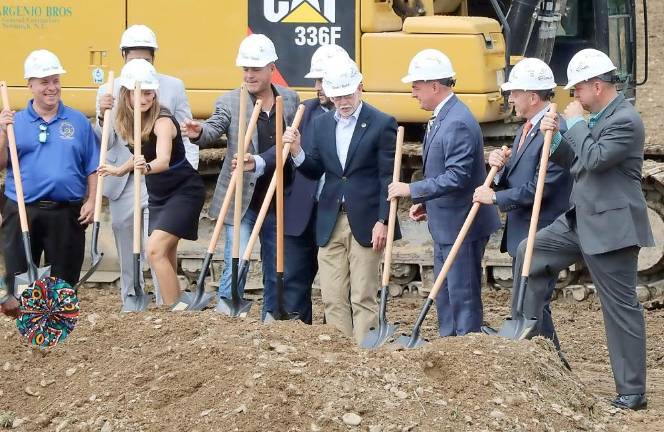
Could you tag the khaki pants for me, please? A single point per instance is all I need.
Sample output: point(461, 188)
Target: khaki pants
point(349, 282)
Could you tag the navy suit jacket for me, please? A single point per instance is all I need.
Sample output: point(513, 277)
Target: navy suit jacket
point(518, 180)
point(453, 167)
point(364, 180)
point(300, 195)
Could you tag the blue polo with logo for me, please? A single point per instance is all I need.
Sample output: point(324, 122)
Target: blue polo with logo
point(57, 168)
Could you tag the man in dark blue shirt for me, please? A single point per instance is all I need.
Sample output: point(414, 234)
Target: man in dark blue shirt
point(58, 154)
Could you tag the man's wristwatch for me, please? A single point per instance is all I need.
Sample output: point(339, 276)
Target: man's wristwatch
point(148, 168)
point(493, 199)
point(383, 221)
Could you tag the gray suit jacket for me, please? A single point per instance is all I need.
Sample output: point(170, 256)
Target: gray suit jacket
point(224, 120)
point(606, 162)
point(172, 96)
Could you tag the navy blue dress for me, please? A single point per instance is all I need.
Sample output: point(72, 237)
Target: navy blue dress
point(175, 196)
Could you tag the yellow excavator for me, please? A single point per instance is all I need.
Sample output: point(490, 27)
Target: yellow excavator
point(483, 38)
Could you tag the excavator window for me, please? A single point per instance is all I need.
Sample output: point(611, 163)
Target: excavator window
point(620, 38)
point(576, 32)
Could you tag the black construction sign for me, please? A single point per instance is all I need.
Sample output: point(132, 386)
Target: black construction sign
point(298, 28)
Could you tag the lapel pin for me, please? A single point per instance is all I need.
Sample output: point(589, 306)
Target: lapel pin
point(363, 125)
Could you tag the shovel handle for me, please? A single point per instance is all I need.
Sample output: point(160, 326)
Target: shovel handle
point(270, 193)
point(537, 203)
point(138, 214)
point(447, 265)
point(239, 169)
point(105, 133)
point(226, 204)
point(16, 169)
point(394, 203)
point(279, 176)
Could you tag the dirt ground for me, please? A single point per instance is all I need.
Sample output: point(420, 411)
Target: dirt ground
point(162, 371)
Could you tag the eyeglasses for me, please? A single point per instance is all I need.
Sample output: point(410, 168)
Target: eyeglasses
point(341, 98)
point(43, 132)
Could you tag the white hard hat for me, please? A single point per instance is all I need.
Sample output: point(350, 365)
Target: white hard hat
point(429, 64)
point(139, 70)
point(587, 63)
point(530, 74)
point(341, 78)
point(256, 50)
point(138, 36)
point(42, 63)
point(322, 57)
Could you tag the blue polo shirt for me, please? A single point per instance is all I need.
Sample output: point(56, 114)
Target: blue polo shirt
point(57, 169)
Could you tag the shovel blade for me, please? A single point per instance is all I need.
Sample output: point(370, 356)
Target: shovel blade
point(197, 301)
point(23, 280)
point(239, 308)
point(376, 337)
point(96, 260)
point(517, 328)
point(95, 254)
point(136, 303)
point(410, 342)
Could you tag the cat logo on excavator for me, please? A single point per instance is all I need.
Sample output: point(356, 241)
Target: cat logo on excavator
point(299, 27)
point(300, 11)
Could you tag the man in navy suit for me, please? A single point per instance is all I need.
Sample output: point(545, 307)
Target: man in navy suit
point(531, 85)
point(453, 167)
point(354, 147)
point(301, 196)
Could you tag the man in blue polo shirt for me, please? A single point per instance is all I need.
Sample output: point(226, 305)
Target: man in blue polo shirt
point(58, 156)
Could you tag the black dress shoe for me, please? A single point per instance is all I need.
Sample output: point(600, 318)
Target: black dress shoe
point(632, 401)
point(489, 330)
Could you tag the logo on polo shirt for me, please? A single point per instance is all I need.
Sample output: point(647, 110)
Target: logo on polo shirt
point(67, 130)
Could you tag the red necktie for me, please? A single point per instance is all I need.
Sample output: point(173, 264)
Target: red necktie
point(524, 134)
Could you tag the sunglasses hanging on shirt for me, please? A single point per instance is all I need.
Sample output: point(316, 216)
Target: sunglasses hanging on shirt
point(43, 132)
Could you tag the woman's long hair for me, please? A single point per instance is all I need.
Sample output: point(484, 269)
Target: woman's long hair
point(124, 117)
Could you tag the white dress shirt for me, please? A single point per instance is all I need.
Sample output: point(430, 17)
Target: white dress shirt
point(343, 134)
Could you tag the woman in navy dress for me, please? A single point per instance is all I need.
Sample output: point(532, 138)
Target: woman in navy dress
point(175, 189)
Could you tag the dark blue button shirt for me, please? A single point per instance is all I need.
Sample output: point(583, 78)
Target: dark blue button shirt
point(56, 169)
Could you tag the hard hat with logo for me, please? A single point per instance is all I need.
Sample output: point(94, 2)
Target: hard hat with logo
point(138, 35)
point(429, 64)
point(530, 74)
point(322, 58)
point(139, 70)
point(42, 63)
point(256, 50)
point(341, 78)
point(586, 64)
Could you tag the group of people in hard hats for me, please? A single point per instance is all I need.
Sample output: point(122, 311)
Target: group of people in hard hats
point(341, 162)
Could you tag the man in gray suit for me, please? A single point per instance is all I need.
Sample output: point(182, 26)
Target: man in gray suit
point(257, 57)
point(137, 42)
point(607, 223)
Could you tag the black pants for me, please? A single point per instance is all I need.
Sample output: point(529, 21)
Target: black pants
point(55, 233)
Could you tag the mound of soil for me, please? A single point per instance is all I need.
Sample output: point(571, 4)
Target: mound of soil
point(163, 371)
